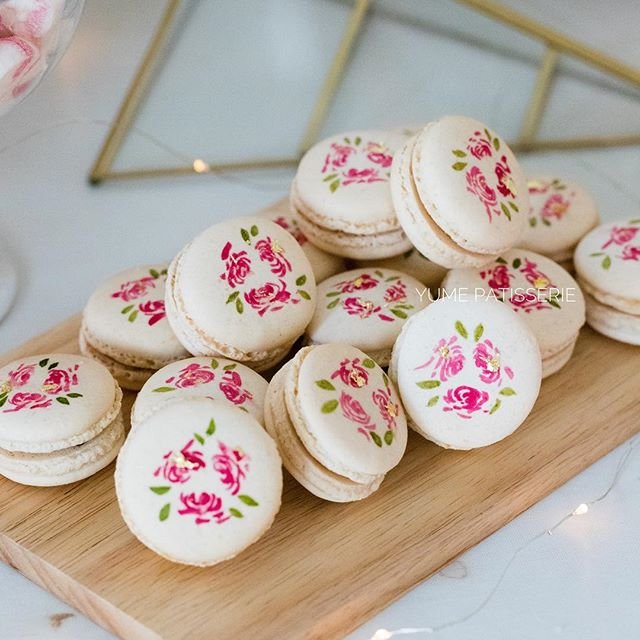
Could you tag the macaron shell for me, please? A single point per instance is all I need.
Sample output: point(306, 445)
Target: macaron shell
point(245, 283)
point(560, 214)
point(541, 292)
point(617, 325)
point(216, 378)
point(125, 319)
point(199, 481)
point(468, 372)
point(607, 262)
point(554, 362)
point(346, 411)
point(54, 401)
point(323, 264)
point(344, 181)
point(414, 264)
point(471, 184)
point(365, 308)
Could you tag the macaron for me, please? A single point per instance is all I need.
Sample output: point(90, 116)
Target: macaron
point(216, 378)
point(337, 420)
point(124, 326)
point(323, 264)
point(468, 372)
point(243, 289)
point(341, 198)
point(539, 290)
point(607, 262)
point(459, 193)
point(366, 308)
point(198, 481)
point(414, 264)
point(60, 419)
point(560, 214)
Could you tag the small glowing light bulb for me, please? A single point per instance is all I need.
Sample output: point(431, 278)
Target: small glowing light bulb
point(200, 166)
point(581, 509)
point(382, 634)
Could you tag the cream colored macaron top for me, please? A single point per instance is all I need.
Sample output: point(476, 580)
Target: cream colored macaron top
point(560, 213)
point(125, 316)
point(468, 372)
point(216, 378)
point(471, 184)
point(346, 411)
point(199, 481)
point(607, 262)
point(365, 308)
point(536, 288)
point(246, 283)
point(343, 182)
point(53, 401)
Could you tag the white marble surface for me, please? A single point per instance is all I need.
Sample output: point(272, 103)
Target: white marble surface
point(64, 237)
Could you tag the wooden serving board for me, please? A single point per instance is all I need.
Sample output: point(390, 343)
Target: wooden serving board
point(323, 568)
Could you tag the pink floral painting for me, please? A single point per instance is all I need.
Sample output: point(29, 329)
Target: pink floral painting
point(557, 202)
point(620, 245)
point(141, 296)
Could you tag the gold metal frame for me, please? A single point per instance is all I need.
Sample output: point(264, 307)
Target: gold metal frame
point(557, 44)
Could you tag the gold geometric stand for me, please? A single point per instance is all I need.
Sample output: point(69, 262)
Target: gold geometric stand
point(556, 44)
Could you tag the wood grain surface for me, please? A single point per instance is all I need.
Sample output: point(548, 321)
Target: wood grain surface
point(323, 568)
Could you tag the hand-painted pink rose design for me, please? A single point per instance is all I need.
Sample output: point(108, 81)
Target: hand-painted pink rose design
point(499, 277)
point(447, 360)
point(154, 309)
point(396, 292)
point(177, 468)
point(621, 235)
point(135, 289)
point(361, 283)
point(269, 251)
point(555, 206)
point(534, 276)
point(292, 228)
point(359, 307)
point(338, 156)
point(505, 182)
point(378, 154)
point(27, 401)
point(389, 409)
point(361, 176)
point(192, 375)
point(465, 400)
point(478, 146)
point(271, 296)
point(237, 265)
point(58, 381)
point(631, 253)
point(231, 386)
point(477, 185)
point(206, 507)
point(232, 465)
point(20, 376)
point(487, 358)
point(528, 301)
point(352, 410)
point(352, 373)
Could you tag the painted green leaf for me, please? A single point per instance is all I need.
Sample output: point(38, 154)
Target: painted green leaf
point(379, 273)
point(164, 389)
point(164, 512)
point(154, 273)
point(214, 363)
point(428, 384)
point(333, 303)
point(235, 513)
point(239, 305)
point(303, 294)
point(334, 185)
point(199, 438)
point(326, 385)
point(458, 166)
point(516, 263)
point(388, 437)
point(3, 400)
point(460, 328)
point(505, 210)
point(501, 260)
point(248, 500)
point(53, 365)
point(127, 309)
point(433, 401)
point(606, 262)
point(43, 363)
point(486, 133)
point(254, 230)
point(301, 280)
point(160, 490)
point(229, 367)
point(358, 140)
point(399, 314)
point(62, 400)
point(514, 206)
point(545, 222)
point(635, 221)
point(533, 222)
point(477, 334)
point(385, 379)
point(597, 254)
point(211, 429)
point(133, 315)
point(554, 303)
point(329, 407)
point(74, 395)
point(507, 391)
point(331, 176)
point(459, 153)
point(232, 297)
point(496, 406)
point(369, 363)
point(245, 236)
point(376, 438)
point(347, 140)
point(496, 144)
point(333, 294)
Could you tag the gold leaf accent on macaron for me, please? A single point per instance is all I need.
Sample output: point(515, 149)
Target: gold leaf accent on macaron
point(5, 387)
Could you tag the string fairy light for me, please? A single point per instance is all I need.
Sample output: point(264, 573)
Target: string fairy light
point(580, 510)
